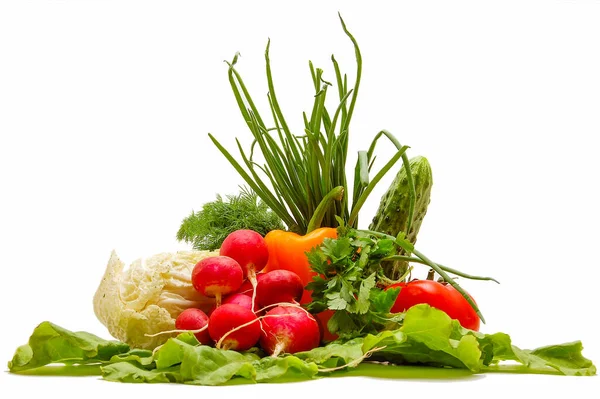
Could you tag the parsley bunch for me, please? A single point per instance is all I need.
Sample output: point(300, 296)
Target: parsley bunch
point(349, 281)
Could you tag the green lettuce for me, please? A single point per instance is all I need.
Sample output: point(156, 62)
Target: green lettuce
point(428, 337)
point(183, 360)
point(51, 344)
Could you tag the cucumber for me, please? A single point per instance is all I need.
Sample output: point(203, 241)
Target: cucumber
point(392, 215)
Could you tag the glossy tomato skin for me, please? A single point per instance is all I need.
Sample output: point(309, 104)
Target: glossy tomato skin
point(441, 296)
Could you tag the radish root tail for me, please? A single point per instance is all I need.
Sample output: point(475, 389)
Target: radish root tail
point(353, 363)
point(219, 344)
point(252, 279)
point(177, 331)
point(278, 349)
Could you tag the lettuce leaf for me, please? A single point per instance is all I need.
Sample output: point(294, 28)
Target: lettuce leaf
point(180, 360)
point(565, 359)
point(50, 343)
point(428, 337)
point(132, 373)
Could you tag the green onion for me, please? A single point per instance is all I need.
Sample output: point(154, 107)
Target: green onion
point(301, 173)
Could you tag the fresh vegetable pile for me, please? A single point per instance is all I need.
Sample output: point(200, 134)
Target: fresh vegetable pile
point(282, 283)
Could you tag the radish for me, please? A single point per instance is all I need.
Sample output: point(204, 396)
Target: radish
point(234, 327)
point(238, 299)
point(191, 320)
point(246, 287)
point(217, 276)
point(289, 329)
point(249, 249)
point(194, 319)
point(279, 286)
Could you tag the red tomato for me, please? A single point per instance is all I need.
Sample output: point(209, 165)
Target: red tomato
point(441, 296)
point(323, 319)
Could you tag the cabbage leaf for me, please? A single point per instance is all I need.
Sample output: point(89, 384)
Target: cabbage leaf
point(147, 297)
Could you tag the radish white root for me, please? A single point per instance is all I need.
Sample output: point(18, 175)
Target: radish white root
point(219, 343)
point(353, 363)
point(178, 331)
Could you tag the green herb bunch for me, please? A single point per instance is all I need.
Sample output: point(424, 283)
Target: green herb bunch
point(350, 281)
point(207, 229)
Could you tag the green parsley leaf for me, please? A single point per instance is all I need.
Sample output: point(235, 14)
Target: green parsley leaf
point(363, 303)
point(383, 300)
point(336, 302)
point(348, 282)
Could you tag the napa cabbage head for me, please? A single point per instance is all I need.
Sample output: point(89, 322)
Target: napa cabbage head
point(147, 297)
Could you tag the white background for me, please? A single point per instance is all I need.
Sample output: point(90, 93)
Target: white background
point(105, 108)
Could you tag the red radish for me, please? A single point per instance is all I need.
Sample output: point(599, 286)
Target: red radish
point(194, 319)
point(234, 327)
point(289, 329)
point(239, 299)
point(279, 286)
point(217, 276)
point(249, 249)
point(246, 287)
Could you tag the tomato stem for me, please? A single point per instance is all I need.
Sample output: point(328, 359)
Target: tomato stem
point(430, 274)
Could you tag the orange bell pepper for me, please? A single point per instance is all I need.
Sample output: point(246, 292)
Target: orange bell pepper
point(287, 251)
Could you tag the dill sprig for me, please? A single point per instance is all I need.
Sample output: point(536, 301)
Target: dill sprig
point(207, 228)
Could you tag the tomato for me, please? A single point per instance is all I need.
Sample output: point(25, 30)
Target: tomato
point(323, 319)
point(441, 296)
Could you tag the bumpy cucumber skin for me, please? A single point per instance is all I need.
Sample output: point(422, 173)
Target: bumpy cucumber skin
point(392, 215)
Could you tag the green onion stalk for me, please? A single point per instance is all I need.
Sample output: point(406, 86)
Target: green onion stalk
point(302, 177)
point(302, 171)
